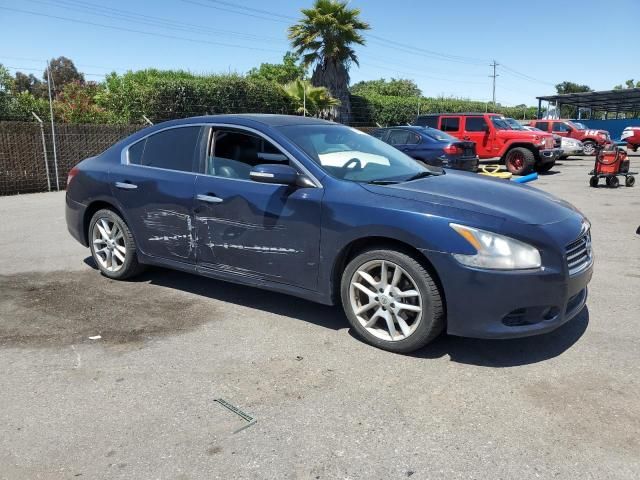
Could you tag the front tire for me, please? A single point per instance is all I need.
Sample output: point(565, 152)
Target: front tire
point(391, 301)
point(589, 147)
point(112, 246)
point(613, 182)
point(520, 161)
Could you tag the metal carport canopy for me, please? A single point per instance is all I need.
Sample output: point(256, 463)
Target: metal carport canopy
point(625, 100)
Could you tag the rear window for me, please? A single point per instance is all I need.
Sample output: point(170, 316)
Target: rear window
point(438, 135)
point(450, 124)
point(475, 124)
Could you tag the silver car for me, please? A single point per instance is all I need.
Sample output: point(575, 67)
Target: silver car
point(571, 146)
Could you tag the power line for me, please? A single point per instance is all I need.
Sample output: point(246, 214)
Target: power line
point(141, 32)
point(241, 12)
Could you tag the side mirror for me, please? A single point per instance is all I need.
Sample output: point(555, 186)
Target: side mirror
point(274, 173)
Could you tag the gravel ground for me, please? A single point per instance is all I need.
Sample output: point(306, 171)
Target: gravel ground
point(138, 402)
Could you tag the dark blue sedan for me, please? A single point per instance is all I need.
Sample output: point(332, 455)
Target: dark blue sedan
point(330, 214)
point(431, 146)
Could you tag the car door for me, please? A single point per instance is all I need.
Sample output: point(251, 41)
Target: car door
point(478, 131)
point(544, 126)
point(452, 125)
point(250, 229)
point(154, 185)
point(560, 128)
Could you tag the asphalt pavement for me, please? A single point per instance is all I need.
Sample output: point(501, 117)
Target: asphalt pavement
point(105, 379)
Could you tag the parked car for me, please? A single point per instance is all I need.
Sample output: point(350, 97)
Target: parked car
point(631, 135)
point(516, 125)
point(431, 146)
point(566, 128)
point(570, 147)
point(328, 213)
point(521, 151)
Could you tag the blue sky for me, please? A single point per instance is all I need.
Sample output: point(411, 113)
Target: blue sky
point(454, 41)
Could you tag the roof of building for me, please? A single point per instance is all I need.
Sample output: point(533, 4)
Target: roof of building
point(624, 100)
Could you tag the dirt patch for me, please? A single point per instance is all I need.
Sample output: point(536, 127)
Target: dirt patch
point(63, 308)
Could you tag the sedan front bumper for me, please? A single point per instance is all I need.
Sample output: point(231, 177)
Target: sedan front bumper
point(508, 304)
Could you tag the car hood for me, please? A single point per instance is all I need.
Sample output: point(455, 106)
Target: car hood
point(526, 135)
point(475, 193)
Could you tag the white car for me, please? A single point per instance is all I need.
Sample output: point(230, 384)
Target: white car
point(571, 146)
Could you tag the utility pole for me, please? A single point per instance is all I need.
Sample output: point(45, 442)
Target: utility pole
point(53, 130)
point(494, 65)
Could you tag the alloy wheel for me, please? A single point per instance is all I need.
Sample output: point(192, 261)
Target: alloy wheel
point(109, 248)
point(589, 148)
point(385, 300)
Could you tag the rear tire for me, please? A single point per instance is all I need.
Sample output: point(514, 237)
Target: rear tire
point(112, 246)
point(405, 309)
point(630, 181)
point(545, 167)
point(589, 147)
point(593, 181)
point(520, 161)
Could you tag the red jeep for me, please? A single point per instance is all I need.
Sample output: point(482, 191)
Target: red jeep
point(520, 150)
point(567, 128)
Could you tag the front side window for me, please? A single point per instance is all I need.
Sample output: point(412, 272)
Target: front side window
point(233, 154)
point(560, 127)
point(475, 124)
point(450, 124)
point(578, 125)
point(172, 149)
point(350, 154)
point(500, 123)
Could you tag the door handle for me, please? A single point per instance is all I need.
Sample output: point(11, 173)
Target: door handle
point(126, 185)
point(209, 198)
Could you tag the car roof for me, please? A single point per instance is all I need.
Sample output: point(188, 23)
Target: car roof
point(408, 127)
point(271, 120)
point(460, 114)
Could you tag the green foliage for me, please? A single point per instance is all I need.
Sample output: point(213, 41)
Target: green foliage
point(310, 100)
point(164, 95)
point(63, 71)
point(328, 31)
point(628, 84)
point(6, 85)
point(76, 103)
point(282, 73)
point(372, 109)
point(571, 87)
point(399, 87)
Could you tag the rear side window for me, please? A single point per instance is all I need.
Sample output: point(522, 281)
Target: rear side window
point(377, 133)
point(398, 137)
point(172, 149)
point(450, 124)
point(542, 126)
point(475, 124)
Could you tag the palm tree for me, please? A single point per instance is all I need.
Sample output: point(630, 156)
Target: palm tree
point(310, 100)
point(325, 37)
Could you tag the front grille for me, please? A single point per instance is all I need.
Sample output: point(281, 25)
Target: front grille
point(579, 254)
point(548, 142)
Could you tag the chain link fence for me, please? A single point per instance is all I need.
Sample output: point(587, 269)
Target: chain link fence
point(27, 161)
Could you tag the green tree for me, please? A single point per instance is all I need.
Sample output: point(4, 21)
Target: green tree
point(310, 100)
point(63, 71)
point(399, 87)
point(571, 87)
point(282, 73)
point(628, 84)
point(325, 37)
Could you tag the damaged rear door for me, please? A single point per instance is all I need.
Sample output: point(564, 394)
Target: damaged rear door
point(155, 186)
point(258, 231)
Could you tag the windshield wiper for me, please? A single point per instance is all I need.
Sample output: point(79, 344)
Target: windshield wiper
point(424, 174)
point(382, 182)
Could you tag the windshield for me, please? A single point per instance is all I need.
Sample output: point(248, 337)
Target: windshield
point(500, 123)
point(438, 134)
point(578, 125)
point(349, 154)
point(514, 124)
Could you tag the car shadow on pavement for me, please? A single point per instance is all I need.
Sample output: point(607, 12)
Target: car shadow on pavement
point(251, 297)
point(480, 352)
point(508, 353)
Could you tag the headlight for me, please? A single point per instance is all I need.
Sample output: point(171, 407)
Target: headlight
point(496, 252)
